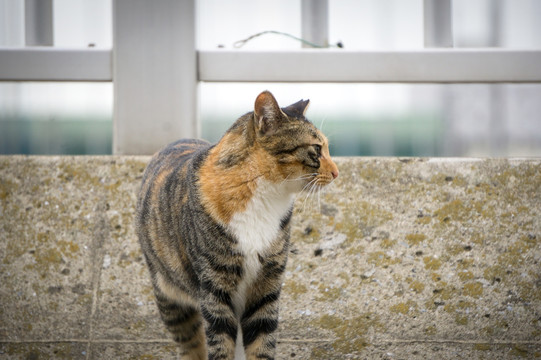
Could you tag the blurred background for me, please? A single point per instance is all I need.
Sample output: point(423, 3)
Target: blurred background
point(359, 119)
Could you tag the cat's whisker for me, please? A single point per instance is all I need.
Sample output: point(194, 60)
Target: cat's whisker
point(302, 177)
point(305, 202)
point(307, 186)
point(299, 178)
point(286, 179)
point(309, 189)
point(322, 122)
point(319, 199)
point(313, 190)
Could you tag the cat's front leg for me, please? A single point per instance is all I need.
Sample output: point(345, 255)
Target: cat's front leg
point(258, 328)
point(260, 318)
point(220, 322)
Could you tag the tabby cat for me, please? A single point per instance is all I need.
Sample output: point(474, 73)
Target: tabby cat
point(213, 222)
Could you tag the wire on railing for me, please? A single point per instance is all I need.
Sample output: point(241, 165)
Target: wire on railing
point(241, 43)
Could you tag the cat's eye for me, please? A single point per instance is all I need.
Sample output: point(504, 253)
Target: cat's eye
point(317, 148)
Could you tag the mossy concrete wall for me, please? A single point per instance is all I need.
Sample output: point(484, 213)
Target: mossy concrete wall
point(398, 259)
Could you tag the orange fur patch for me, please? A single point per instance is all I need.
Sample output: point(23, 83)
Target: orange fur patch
point(224, 191)
point(227, 190)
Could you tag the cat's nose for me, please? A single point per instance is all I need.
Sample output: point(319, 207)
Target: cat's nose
point(334, 173)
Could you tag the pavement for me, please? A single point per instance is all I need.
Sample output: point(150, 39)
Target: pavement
point(398, 259)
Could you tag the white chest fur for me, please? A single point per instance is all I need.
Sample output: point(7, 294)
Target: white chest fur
point(256, 228)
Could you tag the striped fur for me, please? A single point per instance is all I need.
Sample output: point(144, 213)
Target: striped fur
point(213, 222)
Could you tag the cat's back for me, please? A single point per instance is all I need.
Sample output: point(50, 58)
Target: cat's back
point(169, 174)
point(174, 156)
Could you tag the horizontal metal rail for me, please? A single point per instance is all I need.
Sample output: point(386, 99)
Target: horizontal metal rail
point(55, 64)
point(430, 66)
point(306, 65)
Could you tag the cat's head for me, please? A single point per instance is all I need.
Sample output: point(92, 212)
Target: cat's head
point(298, 151)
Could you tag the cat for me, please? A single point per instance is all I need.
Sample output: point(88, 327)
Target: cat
point(213, 222)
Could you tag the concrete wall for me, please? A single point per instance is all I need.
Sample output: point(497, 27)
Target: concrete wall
point(399, 259)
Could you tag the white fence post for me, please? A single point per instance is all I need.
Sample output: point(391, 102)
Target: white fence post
point(154, 74)
point(38, 22)
point(315, 22)
point(438, 24)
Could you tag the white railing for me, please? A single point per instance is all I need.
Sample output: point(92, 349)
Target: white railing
point(155, 66)
point(426, 66)
point(55, 64)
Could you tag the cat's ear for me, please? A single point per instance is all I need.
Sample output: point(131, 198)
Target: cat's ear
point(298, 109)
point(267, 113)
